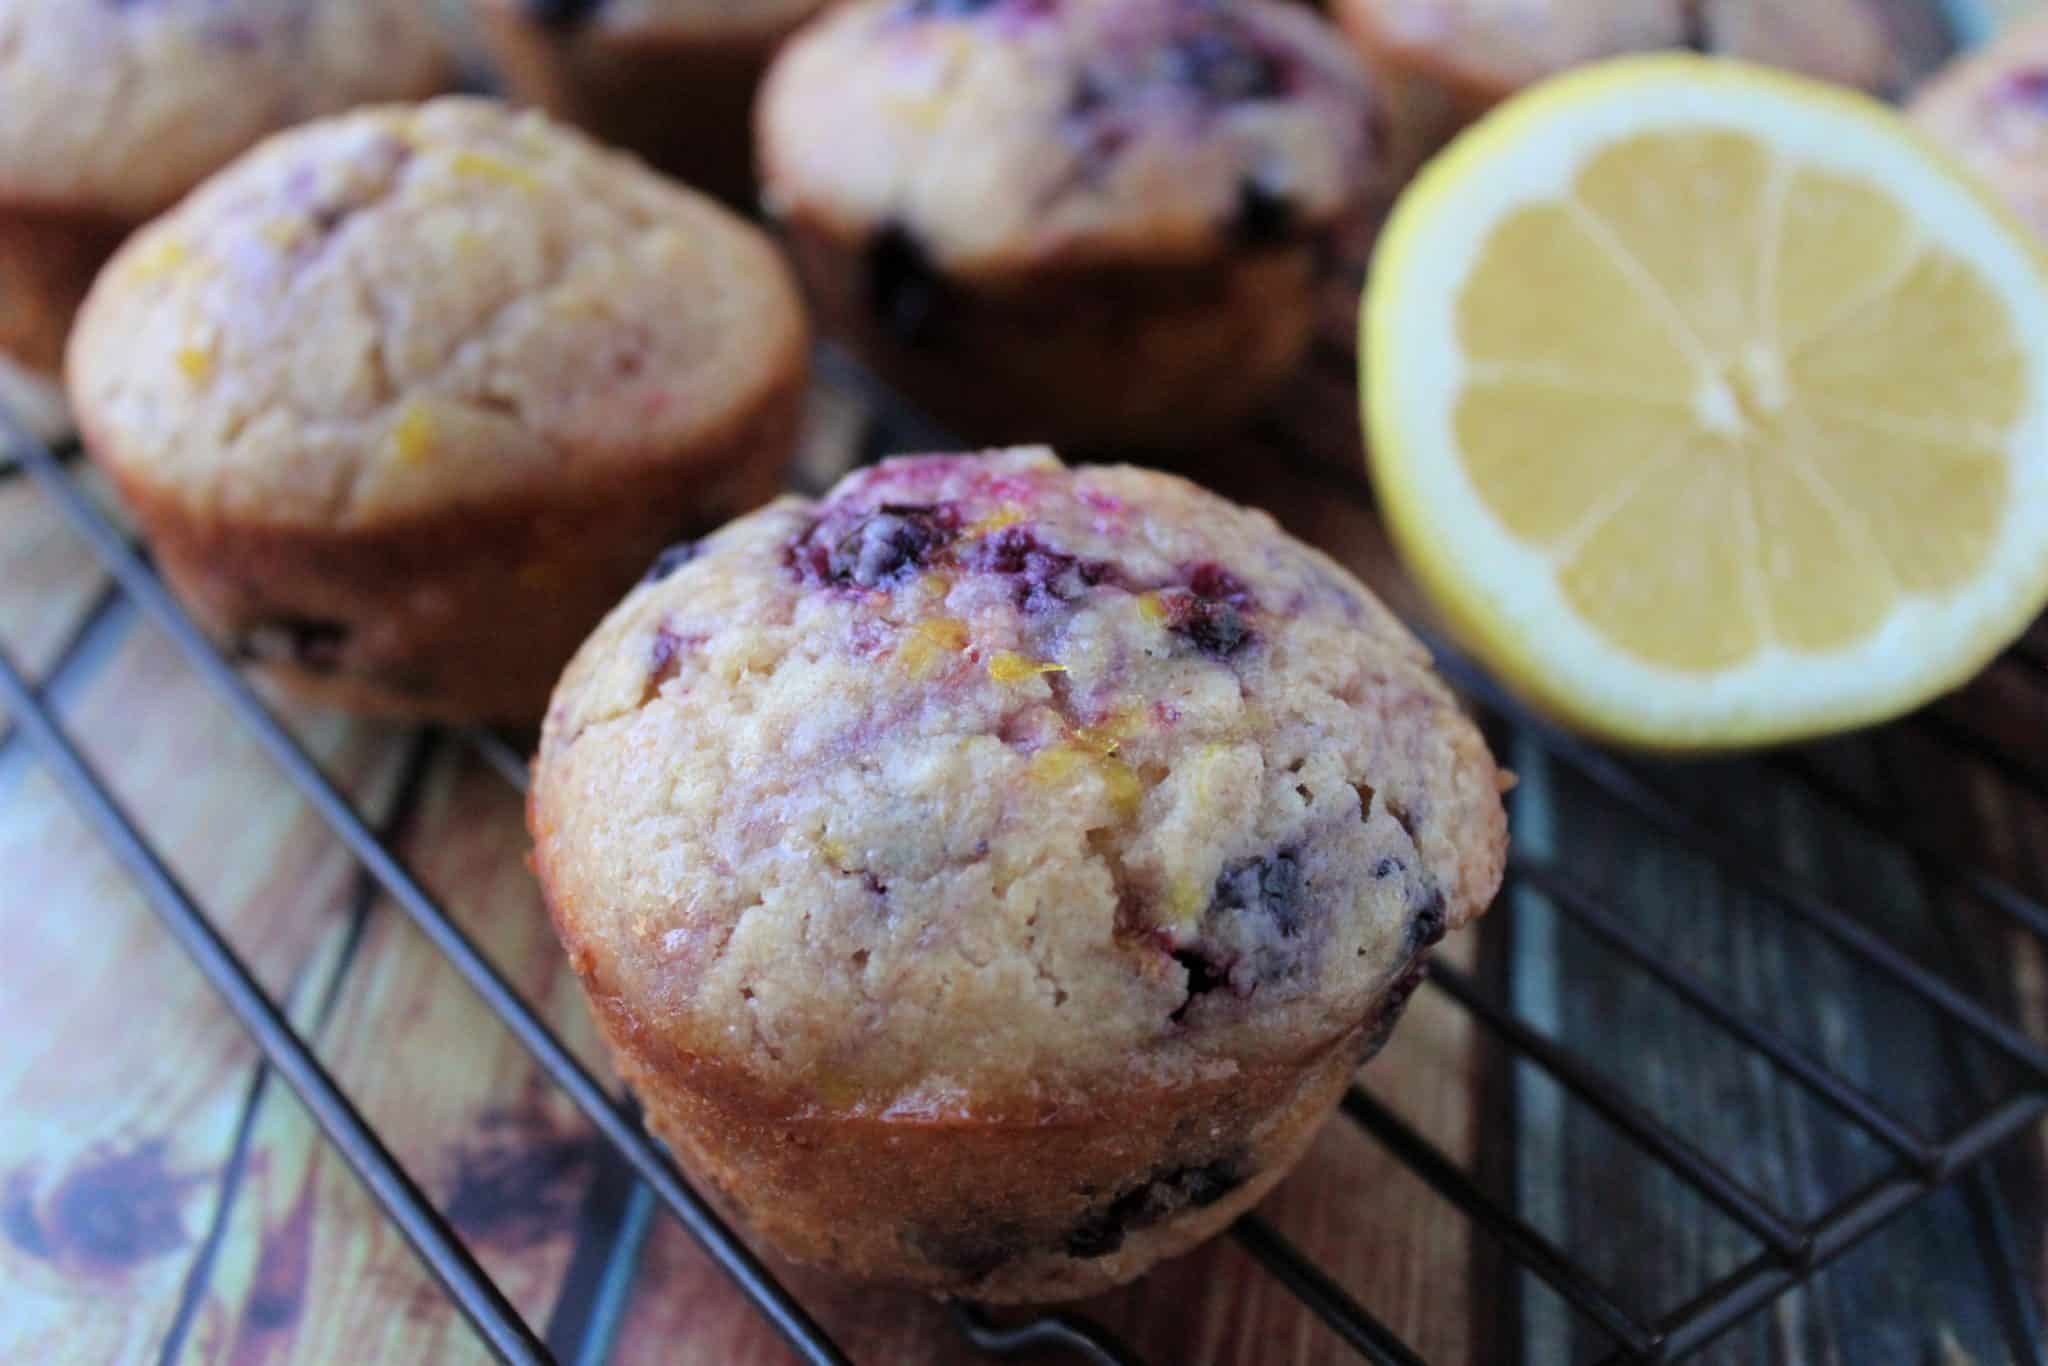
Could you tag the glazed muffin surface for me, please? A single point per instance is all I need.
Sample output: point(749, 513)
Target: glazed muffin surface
point(426, 383)
point(1074, 833)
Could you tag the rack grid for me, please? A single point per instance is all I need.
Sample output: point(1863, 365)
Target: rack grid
point(1792, 1249)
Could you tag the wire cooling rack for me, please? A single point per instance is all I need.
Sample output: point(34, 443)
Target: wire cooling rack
point(1791, 1249)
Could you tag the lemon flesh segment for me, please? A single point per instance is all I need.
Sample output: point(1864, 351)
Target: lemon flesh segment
point(1710, 406)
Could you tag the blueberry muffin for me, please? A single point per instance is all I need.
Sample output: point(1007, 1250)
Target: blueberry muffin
point(1096, 221)
point(115, 110)
point(672, 79)
point(990, 876)
point(1442, 63)
point(406, 398)
point(1991, 111)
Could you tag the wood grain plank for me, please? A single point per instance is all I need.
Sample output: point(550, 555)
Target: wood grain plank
point(50, 577)
point(309, 1269)
point(123, 1081)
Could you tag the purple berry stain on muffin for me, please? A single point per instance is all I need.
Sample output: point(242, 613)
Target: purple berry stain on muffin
point(1222, 63)
point(2019, 106)
point(1270, 885)
point(1212, 612)
point(1103, 1230)
point(878, 549)
point(1046, 578)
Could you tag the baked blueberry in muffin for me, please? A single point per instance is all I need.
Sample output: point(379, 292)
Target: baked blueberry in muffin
point(114, 110)
point(405, 399)
point(991, 875)
point(1991, 110)
point(1093, 220)
point(673, 80)
point(1442, 63)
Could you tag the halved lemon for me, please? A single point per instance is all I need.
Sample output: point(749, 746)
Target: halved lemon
point(1711, 405)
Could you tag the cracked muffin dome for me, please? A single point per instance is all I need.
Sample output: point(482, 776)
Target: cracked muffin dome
point(1005, 201)
point(406, 398)
point(990, 875)
point(1991, 111)
point(114, 110)
point(615, 67)
point(1443, 63)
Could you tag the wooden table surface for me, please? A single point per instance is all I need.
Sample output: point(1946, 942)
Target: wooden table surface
point(163, 1197)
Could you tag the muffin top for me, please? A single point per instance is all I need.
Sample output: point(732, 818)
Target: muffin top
point(1001, 133)
point(1494, 47)
point(985, 786)
point(408, 307)
point(1991, 110)
point(681, 18)
point(119, 108)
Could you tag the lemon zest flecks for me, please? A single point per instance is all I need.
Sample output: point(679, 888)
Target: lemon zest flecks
point(1007, 666)
point(1152, 608)
point(196, 363)
point(1107, 735)
point(1063, 764)
point(492, 168)
point(1008, 515)
point(1185, 900)
point(413, 436)
point(165, 257)
point(929, 643)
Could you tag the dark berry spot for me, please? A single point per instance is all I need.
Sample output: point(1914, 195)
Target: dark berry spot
point(1212, 613)
point(973, 1252)
point(562, 13)
point(879, 549)
point(1046, 578)
point(947, 9)
point(315, 646)
point(1387, 1013)
point(1271, 885)
point(1386, 867)
point(1264, 215)
point(2026, 90)
point(1102, 1230)
point(1204, 976)
point(1216, 628)
point(905, 295)
point(1427, 928)
point(662, 654)
point(670, 560)
point(1222, 65)
point(1217, 584)
point(1695, 34)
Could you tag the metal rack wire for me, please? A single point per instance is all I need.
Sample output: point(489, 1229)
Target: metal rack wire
point(1792, 1248)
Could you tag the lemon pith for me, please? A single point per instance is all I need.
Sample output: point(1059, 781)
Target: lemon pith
point(1711, 406)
